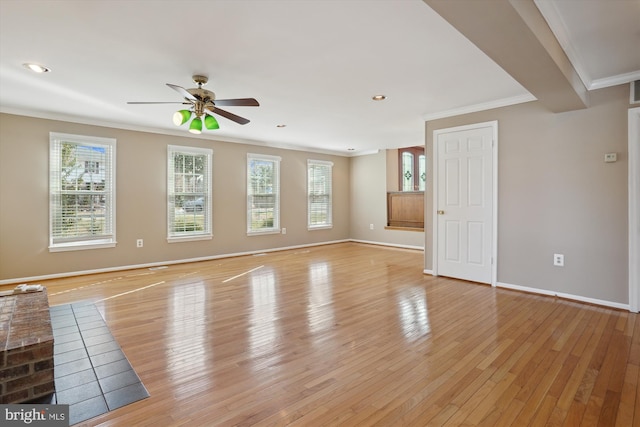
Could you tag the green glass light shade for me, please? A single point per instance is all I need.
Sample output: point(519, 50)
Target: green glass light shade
point(196, 126)
point(181, 117)
point(210, 122)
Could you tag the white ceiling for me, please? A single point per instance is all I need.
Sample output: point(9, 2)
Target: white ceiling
point(313, 65)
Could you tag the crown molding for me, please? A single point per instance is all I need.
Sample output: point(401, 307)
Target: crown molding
point(558, 27)
point(504, 102)
point(620, 79)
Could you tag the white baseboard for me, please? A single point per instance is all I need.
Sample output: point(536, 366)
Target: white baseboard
point(393, 245)
point(425, 271)
point(564, 295)
point(160, 263)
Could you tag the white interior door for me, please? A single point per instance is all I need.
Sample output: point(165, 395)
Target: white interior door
point(464, 202)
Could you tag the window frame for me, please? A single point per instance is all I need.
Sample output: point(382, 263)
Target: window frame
point(106, 239)
point(329, 205)
point(206, 193)
point(416, 152)
point(275, 185)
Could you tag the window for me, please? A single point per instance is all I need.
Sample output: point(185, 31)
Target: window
point(412, 168)
point(81, 192)
point(263, 194)
point(188, 193)
point(319, 194)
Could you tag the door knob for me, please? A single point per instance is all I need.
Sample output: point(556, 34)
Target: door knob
point(440, 212)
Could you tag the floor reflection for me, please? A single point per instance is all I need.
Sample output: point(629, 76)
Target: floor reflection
point(412, 311)
point(187, 349)
point(320, 308)
point(263, 329)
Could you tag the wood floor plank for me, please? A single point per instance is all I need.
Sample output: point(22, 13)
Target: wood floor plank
point(352, 334)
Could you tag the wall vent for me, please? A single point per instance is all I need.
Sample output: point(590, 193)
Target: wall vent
point(635, 92)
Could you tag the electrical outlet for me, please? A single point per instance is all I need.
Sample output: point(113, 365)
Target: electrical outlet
point(139, 243)
point(370, 226)
point(284, 230)
point(611, 157)
point(558, 260)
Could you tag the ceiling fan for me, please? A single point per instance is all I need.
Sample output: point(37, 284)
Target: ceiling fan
point(203, 102)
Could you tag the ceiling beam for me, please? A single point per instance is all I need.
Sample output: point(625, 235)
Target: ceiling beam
point(516, 36)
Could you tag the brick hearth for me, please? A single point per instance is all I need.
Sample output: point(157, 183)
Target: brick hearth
point(26, 343)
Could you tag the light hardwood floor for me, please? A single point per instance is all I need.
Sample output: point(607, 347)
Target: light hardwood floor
point(356, 335)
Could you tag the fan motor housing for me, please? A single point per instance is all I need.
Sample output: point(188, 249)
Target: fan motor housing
point(202, 94)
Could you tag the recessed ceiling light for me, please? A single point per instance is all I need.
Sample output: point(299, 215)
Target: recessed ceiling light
point(379, 97)
point(36, 68)
point(351, 149)
point(281, 126)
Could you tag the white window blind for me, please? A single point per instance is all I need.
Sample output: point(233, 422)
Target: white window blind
point(319, 189)
point(263, 194)
point(189, 193)
point(81, 192)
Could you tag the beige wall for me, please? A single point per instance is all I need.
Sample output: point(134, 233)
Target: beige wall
point(392, 170)
point(141, 200)
point(556, 195)
point(369, 204)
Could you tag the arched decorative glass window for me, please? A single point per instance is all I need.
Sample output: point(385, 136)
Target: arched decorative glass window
point(408, 171)
point(412, 169)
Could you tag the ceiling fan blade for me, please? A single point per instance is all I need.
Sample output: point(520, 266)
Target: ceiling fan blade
point(182, 91)
point(167, 102)
point(227, 115)
point(240, 102)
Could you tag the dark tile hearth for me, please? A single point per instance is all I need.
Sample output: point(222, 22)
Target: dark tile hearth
point(92, 374)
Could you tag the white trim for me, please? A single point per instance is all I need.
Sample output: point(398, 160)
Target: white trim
point(207, 234)
point(620, 79)
point(526, 289)
point(634, 209)
point(434, 166)
point(264, 157)
point(162, 263)
point(210, 136)
point(572, 297)
point(632, 89)
point(276, 160)
point(426, 271)
point(193, 238)
point(392, 245)
point(107, 240)
point(329, 206)
point(320, 227)
point(83, 245)
point(261, 233)
point(550, 13)
point(319, 162)
point(504, 102)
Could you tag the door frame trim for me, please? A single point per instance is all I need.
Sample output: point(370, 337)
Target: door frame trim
point(634, 209)
point(494, 214)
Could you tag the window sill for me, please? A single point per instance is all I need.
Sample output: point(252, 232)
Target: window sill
point(81, 246)
point(260, 233)
point(390, 227)
point(181, 239)
point(320, 227)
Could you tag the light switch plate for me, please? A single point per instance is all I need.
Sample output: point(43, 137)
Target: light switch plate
point(610, 157)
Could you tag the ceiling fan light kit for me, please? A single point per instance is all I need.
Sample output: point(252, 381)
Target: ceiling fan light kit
point(196, 126)
point(203, 103)
point(181, 117)
point(210, 122)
